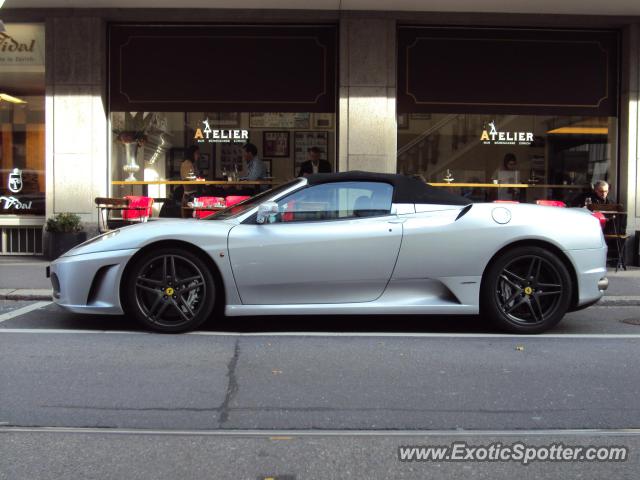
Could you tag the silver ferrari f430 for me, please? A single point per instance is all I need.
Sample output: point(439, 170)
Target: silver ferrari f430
point(344, 243)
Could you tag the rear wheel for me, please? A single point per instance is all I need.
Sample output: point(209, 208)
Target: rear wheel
point(169, 290)
point(526, 290)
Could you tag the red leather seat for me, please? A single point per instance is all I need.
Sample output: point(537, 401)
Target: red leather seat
point(233, 199)
point(207, 202)
point(140, 208)
point(551, 203)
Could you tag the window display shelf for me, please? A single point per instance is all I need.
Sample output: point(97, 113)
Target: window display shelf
point(507, 185)
point(195, 182)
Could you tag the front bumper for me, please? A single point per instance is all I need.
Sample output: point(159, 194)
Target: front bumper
point(90, 283)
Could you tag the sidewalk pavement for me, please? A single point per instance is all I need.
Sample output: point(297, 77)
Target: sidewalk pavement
point(23, 278)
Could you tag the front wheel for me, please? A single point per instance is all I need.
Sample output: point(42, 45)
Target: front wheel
point(169, 290)
point(526, 290)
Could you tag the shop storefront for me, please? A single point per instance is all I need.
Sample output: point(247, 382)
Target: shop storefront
point(192, 96)
point(22, 138)
point(492, 113)
point(509, 114)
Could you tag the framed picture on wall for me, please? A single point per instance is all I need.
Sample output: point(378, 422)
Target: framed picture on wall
point(226, 119)
point(267, 165)
point(275, 144)
point(323, 120)
point(303, 141)
point(279, 120)
point(230, 157)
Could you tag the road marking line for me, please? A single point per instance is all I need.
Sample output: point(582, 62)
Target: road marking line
point(23, 310)
point(330, 433)
point(603, 336)
point(64, 330)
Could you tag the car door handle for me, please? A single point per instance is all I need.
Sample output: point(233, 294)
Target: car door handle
point(398, 220)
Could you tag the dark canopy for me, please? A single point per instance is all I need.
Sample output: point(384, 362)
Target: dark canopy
point(405, 189)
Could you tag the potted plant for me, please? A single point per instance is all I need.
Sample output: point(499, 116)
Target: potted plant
point(64, 231)
point(133, 133)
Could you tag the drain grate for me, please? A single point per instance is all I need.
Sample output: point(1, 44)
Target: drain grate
point(631, 321)
point(20, 240)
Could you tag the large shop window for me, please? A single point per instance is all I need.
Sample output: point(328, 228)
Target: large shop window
point(518, 115)
point(184, 101)
point(177, 155)
point(22, 133)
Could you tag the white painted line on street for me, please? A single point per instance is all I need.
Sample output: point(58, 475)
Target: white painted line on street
point(64, 330)
point(603, 336)
point(23, 310)
point(418, 335)
point(330, 433)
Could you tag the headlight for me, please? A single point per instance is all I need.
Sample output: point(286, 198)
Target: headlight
point(99, 238)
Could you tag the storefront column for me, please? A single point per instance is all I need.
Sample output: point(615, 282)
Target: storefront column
point(367, 109)
point(630, 134)
point(76, 115)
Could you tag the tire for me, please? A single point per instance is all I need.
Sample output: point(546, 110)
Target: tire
point(169, 290)
point(525, 290)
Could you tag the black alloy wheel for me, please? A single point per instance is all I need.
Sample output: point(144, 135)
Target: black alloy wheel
point(169, 290)
point(526, 290)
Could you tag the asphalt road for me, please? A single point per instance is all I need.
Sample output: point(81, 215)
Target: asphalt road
point(240, 399)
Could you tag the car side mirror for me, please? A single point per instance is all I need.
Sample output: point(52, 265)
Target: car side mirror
point(265, 210)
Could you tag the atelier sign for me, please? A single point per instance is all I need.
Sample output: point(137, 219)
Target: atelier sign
point(209, 135)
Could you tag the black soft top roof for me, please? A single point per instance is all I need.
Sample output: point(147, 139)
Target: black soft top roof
point(405, 189)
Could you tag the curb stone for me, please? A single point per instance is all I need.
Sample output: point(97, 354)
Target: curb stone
point(25, 294)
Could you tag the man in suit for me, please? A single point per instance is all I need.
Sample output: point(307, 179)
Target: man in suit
point(315, 164)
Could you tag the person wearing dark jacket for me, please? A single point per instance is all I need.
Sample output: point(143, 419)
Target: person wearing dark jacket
point(599, 195)
point(315, 164)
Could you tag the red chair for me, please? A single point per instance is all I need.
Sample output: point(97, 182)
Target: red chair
point(233, 199)
point(600, 216)
point(551, 203)
point(207, 202)
point(140, 208)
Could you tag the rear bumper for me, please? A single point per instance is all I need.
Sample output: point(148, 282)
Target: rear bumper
point(591, 271)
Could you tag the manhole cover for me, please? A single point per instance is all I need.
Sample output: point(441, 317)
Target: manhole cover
point(631, 321)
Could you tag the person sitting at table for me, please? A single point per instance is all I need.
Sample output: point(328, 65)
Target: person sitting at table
point(256, 169)
point(187, 172)
point(599, 195)
point(315, 164)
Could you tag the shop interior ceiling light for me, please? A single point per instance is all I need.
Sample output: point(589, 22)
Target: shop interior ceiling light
point(4, 97)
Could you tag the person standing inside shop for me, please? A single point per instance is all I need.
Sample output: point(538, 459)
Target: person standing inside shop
point(315, 164)
point(187, 173)
point(508, 174)
point(187, 167)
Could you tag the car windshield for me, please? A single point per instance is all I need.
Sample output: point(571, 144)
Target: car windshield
point(248, 204)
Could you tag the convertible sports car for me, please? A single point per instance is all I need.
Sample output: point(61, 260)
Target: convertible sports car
point(344, 243)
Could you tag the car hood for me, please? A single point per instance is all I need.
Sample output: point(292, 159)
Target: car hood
point(203, 233)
